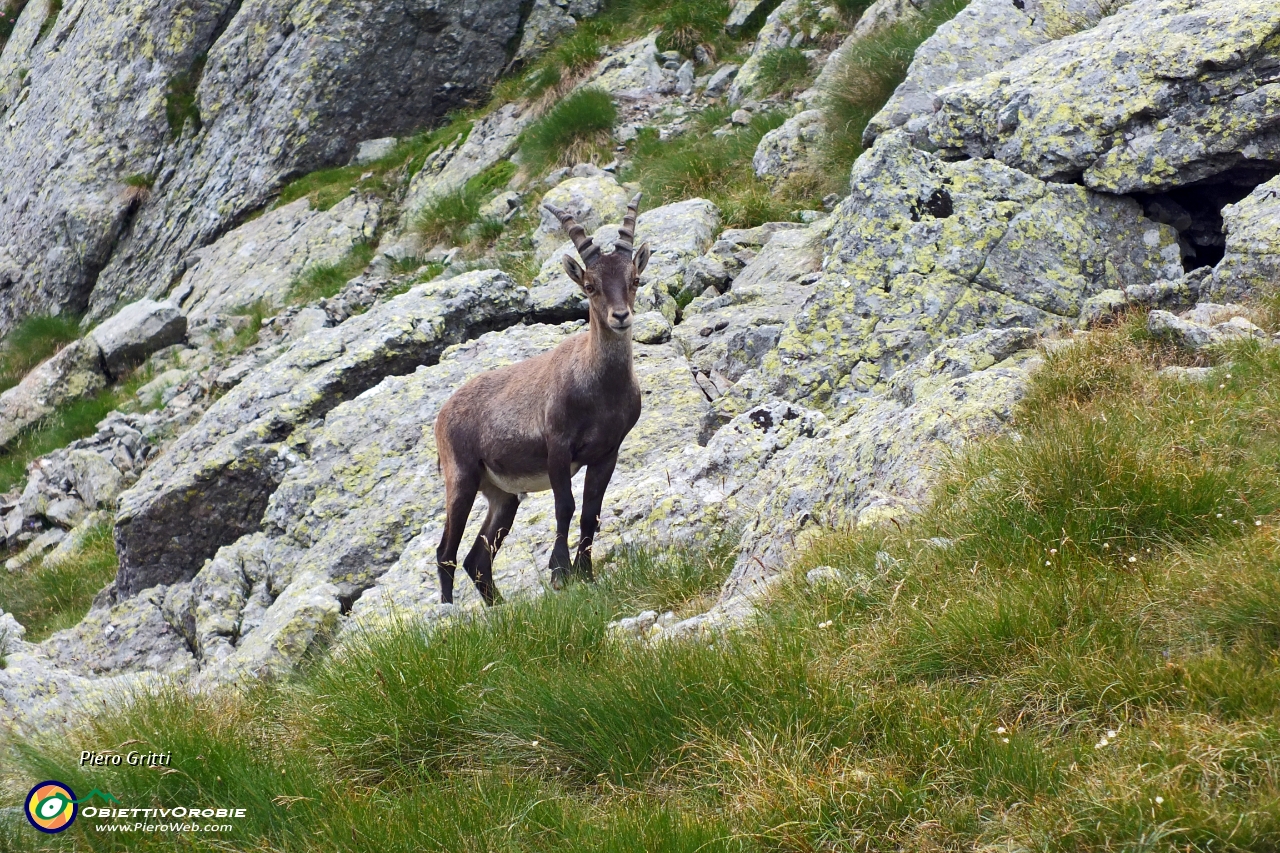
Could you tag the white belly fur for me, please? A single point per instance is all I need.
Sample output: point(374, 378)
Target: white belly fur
point(528, 483)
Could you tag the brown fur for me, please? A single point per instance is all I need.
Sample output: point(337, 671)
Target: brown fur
point(544, 418)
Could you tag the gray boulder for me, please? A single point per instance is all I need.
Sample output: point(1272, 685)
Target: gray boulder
point(1159, 95)
point(986, 35)
point(372, 150)
point(136, 331)
point(789, 148)
point(212, 485)
point(925, 249)
point(720, 81)
point(729, 334)
point(1251, 264)
point(1206, 325)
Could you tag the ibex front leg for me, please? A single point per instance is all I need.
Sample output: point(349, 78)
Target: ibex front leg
point(597, 481)
point(558, 471)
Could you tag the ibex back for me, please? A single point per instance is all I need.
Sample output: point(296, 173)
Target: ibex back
point(531, 426)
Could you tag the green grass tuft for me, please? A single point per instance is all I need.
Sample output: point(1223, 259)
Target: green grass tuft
point(31, 342)
point(866, 75)
point(688, 23)
point(247, 331)
point(698, 164)
point(181, 104)
point(48, 598)
point(322, 281)
point(784, 71)
point(571, 132)
point(454, 219)
point(326, 187)
point(50, 20)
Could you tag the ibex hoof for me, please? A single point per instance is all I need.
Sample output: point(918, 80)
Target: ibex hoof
point(559, 577)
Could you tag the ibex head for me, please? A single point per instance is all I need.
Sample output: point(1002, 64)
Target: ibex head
point(609, 281)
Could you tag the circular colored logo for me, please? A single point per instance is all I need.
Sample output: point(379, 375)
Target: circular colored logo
point(51, 807)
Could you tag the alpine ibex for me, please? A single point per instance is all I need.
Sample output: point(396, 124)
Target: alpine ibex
point(531, 426)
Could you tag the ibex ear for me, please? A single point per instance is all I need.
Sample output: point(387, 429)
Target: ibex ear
point(573, 268)
point(641, 258)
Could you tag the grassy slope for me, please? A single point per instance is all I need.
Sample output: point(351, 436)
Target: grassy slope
point(1090, 664)
point(47, 598)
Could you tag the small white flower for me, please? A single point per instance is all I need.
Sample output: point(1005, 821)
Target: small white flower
point(1220, 387)
point(1228, 375)
point(1159, 800)
point(1001, 730)
point(535, 743)
point(1133, 559)
point(1100, 744)
point(1004, 739)
point(1047, 563)
point(1053, 550)
point(1258, 523)
point(1111, 733)
point(1106, 546)
point(1219, 515)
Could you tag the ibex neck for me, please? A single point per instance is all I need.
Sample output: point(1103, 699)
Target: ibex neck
point(609, 350)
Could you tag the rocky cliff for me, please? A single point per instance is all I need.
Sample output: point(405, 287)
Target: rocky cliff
point(133, 135)
point(1044, 163)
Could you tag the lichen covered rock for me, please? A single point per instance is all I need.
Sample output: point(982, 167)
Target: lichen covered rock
point(877, 465)
point(724, 336)
point(286, 89)
point(924, 250)
point(788, 148)
point(1158, 95)
point(593, 201)
point(1251, 264)
point(986, 35)
point(260, 259)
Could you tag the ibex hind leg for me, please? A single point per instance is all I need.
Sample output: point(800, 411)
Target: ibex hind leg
point(497, 524)
point(460, 494)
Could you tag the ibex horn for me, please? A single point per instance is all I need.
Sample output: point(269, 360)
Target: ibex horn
point(627, 233)
point(586, 249)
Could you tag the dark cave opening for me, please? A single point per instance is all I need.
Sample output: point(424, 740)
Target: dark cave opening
point(1195, 211)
